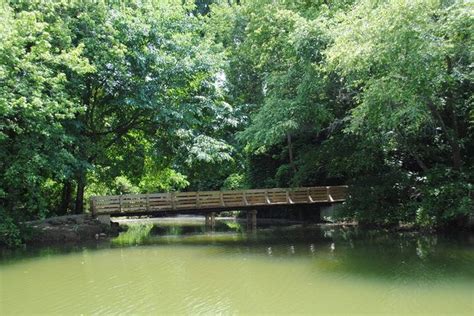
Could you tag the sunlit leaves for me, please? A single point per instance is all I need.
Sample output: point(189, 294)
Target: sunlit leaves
point(397, 57)
point(207, 149)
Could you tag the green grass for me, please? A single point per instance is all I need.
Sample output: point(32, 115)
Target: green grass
point(136, 234)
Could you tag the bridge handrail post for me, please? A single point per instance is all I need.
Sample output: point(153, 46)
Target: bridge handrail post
point(221, 196)
point(120, 203)
point(267, 199)
point(244, 197)
point(329, 196)
point(173, 200)
point(288, 198)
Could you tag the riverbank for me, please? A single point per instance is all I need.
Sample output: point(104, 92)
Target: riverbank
point(70, 229)
point(84, 228)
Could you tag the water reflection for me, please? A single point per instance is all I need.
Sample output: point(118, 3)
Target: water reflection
point(333, 249)
point(182, 267)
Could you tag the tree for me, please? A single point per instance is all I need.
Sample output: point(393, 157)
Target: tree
point(35, 61)
point(96, 90)
point(276, 76)
point(409, 63)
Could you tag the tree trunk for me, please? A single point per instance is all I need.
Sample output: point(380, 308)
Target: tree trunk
point(290, 152)
point(457, 160)
point(456, 148)
point(81, 184)
point(66, 198)
point(450, 134)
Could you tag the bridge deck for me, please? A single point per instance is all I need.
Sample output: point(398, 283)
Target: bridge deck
point(197, 202)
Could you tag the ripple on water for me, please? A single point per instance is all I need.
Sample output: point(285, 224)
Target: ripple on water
point(268, 273)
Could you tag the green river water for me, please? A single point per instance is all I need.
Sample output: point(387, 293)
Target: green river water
point(179, 267)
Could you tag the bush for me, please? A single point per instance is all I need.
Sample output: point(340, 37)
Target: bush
point(381, 199)
point(10, 232)
point(441, 198)
point(234, 182)
point(445, 198)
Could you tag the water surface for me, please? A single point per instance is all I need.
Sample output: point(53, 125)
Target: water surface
point(182, 267)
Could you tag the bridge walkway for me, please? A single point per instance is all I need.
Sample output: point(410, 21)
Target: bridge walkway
point(213, 201)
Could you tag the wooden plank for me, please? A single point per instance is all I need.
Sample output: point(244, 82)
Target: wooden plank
point(214, 199)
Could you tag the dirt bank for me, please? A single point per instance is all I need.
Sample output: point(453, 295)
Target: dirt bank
point(71, 228)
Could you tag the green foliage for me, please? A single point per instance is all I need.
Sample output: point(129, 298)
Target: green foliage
point(10, 233)
point(105, 98)
point(402, 62)
point(445, 199)
point(380, 198)
point(136, 234)
point(235, 181)
point(163, 180)
point(410, 70)
point(34, 100)
point(13, 233)
point(373, 94)
point(92, 91)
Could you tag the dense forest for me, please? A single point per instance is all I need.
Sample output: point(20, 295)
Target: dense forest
point(105, 97)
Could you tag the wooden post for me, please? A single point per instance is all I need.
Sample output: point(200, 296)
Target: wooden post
point(252, 220)
point(288, 198)
point(244, 195)
point(173, 202)
point(213, 219)
point(222, 198)
point(247, 214)
point(328, 191)
point(207, 219)
point(120, 203)
point(267, 199)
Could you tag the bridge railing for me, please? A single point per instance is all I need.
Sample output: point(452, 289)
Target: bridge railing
point(206, 200)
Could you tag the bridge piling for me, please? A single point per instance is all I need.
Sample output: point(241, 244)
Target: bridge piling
point(213, 219)
point(210, 219)
point(207, 219)
point(252, 220)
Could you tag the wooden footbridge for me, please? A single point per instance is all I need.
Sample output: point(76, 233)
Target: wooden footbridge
point(210, 202)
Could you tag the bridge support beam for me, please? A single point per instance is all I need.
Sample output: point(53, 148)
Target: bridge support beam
point(210, 220)
point(213, 219)
point(252, 220)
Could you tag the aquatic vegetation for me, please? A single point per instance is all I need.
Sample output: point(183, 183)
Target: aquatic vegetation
point(234, 226)
point(135, 234)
